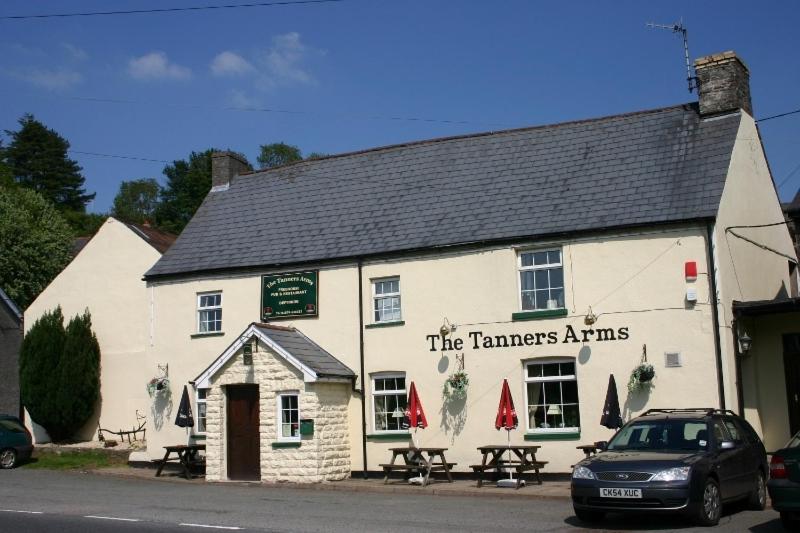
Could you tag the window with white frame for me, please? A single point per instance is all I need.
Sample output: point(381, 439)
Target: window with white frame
point(201, 410)
point(388, 401)
point(552, 395)
point(541, 280)
point(209, 312)
point(288, 416)
point(386, 299)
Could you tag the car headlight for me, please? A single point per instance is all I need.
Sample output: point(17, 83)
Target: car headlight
point(680, 473)
point(581, 472)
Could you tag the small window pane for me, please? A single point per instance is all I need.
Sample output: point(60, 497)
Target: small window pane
point(552, 392)
point(570, 391)
point(526, 280)
point(556, 277)
point(558, 296)
point(567, 369)
point(534, 371)
point(541, 279)
point(528, 302)
point(554, 256)
point(571, 416)
point(541, 299)
point(550, 369)
point(535, 396)
point(526, 260)
point(536, 415)
point(201, 393)
point(540, 258)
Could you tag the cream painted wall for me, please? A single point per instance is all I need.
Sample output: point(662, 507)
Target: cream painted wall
point(747, 272)
point(106, 278)
point(634, 281)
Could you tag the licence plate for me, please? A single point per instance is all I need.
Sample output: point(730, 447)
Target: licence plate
point(620, 493)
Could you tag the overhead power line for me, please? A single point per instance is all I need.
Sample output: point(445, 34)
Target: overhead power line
point(778, 116)
point(119, 156)
point(165, 10)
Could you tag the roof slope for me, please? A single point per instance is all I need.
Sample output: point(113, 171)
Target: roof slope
point(664, 165)
point(158, 239)
point(306, 351)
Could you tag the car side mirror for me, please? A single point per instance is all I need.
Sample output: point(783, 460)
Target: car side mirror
point(602, 445)
point(727, 445)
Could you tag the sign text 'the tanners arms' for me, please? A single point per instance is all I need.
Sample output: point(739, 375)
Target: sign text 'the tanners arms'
point(478, 340)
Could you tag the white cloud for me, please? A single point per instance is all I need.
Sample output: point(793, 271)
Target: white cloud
point(74, 52)
point(240, 99)
point(230, 63)
point(156, 66)
point(283, 61)
point(53, 79)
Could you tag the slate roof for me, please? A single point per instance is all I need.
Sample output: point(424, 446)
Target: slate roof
point(159, 240)
point(644, 168)
point(306, 351)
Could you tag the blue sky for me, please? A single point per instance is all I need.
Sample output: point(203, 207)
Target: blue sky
point(354, 74)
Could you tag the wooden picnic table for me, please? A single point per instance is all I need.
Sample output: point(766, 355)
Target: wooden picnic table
point(185, 455)
point(588, 449)
point(521, 459)
point(422, 460)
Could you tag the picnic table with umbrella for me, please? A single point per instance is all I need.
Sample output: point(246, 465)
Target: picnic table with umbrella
point(417, 459)
point(521, 458)
point(185, 454)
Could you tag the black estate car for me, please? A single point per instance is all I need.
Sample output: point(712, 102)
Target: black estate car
point(687, 460)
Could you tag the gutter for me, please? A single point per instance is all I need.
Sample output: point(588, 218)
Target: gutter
point(361, 370)
point(712, 277)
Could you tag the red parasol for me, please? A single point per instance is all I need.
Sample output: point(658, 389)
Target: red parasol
point(506, 415)
point(414, 415)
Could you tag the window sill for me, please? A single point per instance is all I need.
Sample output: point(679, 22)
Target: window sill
point(211, 334)
point(389, 436)
point(563, 435)
point(536, 315)
point(286, 444)
point(198, 437)
point(385, 324)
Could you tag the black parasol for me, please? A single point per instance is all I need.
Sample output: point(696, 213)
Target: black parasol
point(612, 419)
point(184, 418)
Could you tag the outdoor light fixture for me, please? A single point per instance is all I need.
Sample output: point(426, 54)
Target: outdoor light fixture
point(590, 317)
point(745, 343)
point(447, 328)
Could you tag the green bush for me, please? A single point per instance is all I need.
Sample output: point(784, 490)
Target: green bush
point(60, 373)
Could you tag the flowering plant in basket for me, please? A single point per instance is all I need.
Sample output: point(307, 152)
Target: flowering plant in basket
point(455, 386)
point(641, 377)
point(157, 385)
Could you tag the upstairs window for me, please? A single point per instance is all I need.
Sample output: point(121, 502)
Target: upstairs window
point(209, 312)
point(541, 280)
point(386, 300)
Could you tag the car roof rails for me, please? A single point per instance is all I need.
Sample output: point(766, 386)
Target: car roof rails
point(704, 410)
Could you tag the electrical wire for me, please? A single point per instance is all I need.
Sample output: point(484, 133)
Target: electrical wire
point(119, 156)
point(165, 10)
point(778, 116)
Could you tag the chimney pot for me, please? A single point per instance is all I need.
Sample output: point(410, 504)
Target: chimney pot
point(225, 166)
point(723, 84)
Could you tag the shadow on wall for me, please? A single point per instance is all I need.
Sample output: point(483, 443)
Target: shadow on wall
point(454, 416)
point(161, 409)
point(635, 402)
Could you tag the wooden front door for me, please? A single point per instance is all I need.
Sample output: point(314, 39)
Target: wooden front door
point(243, 437)
point(791, 368)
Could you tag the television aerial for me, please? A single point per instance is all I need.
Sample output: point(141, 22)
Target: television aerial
point(680, 28)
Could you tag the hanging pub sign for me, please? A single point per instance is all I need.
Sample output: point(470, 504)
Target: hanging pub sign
point(289, 295)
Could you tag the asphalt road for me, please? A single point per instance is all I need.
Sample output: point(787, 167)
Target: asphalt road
point(33, 501)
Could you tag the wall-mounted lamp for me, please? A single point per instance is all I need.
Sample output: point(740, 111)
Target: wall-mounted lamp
point(447, 328)
point(590, 317)
point(745, 343)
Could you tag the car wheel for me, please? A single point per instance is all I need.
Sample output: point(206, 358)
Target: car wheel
point(758, 498)
point(589, 516)
point(8, 458)
point(710, 507)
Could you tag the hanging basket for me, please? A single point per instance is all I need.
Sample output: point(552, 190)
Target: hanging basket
point(641, 377)
point(455, 386)
point(157, 386)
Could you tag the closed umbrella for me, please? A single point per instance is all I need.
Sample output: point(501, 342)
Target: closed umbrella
point(506, 419)
point(612, 418)
point(184, 418)
point(414, 417)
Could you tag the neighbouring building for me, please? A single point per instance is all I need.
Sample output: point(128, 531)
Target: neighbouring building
point(105, 277)
point(10, 342)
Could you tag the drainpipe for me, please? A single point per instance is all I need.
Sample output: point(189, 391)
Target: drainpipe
point(712, 277)
point(361, 356)
point(738, 362)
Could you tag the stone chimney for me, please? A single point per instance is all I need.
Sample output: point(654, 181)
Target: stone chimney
point(723, 84)
point(224, 167)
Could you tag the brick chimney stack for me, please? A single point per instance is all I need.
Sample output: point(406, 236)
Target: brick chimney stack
point(225, 166)
point(723, 84)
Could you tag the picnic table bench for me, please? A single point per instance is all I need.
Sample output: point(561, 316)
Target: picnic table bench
point(422, 460)
point(523, 459)
point(185, 455)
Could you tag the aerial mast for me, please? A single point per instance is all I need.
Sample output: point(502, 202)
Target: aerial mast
point(680, 28)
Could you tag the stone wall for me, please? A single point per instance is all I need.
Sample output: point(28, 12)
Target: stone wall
point(324, 456)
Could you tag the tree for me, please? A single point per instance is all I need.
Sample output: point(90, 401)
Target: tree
point(278, 154)
point(35, 244)
point(136, 201)
point(6, 179)
point(37, 157)
point(39, 357)
point(60, 373)
point(79, 371)
point(188, 182)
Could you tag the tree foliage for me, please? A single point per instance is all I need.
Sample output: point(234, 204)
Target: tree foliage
point(188, 182)
point(136, 201)
point(35, 244)
point(278, 154)
point(37, 157)
point(60, 373)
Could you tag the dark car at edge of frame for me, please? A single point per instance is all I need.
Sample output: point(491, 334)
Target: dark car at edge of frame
point(16, 443)
point(784, 483)
point(673, 460)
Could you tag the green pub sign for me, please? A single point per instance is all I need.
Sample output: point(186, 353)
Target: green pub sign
point(289, 295)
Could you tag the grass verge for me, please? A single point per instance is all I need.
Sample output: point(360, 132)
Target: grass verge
point(76, 459)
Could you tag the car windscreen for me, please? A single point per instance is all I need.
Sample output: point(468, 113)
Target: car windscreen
point(662, 435)
point(12, 426)
point(795, 442)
